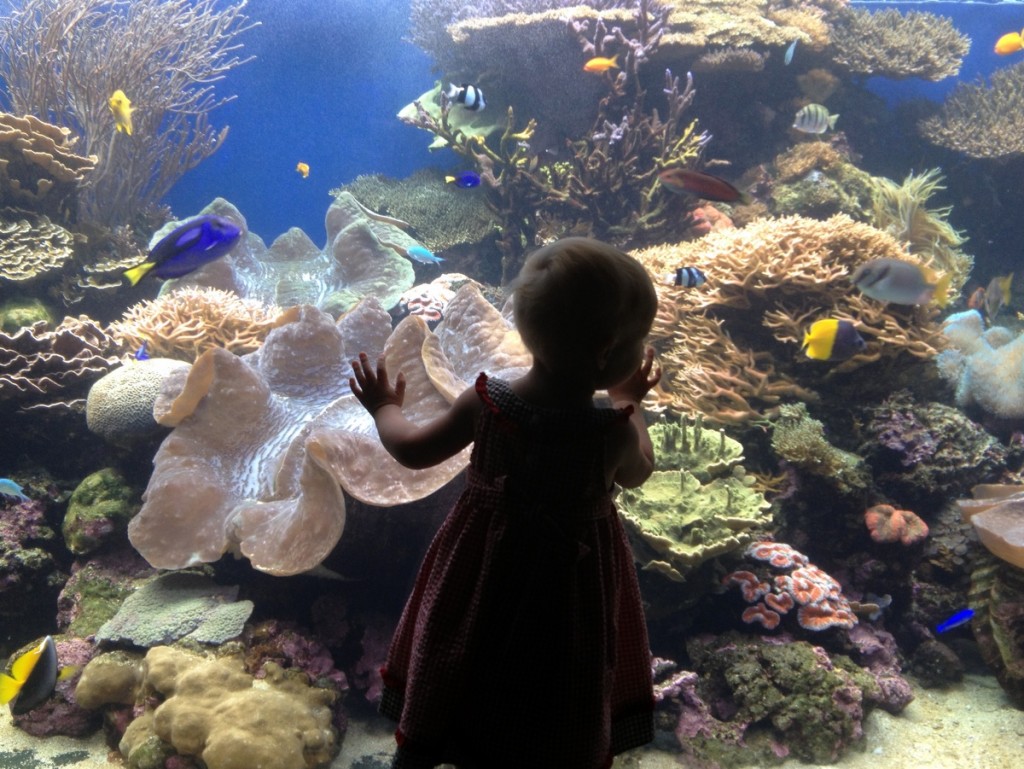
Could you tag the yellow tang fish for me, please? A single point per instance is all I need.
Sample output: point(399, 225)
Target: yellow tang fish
point(601, 64)
point(122, 109)
point(303, 169)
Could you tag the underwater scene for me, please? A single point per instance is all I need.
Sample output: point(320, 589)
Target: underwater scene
point(209, 208)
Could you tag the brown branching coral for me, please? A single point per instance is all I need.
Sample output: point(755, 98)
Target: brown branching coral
point(63, 59)
point(982, 121)
point(188, 322)
point(32, 247)
point(896, 45)
point(731, 349)
point(44, 369)
point(39, 170)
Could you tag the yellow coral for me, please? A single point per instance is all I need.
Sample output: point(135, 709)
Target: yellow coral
point(187, 323)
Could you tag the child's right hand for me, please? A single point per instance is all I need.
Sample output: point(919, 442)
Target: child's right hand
point(373, 389)
point(639, 384)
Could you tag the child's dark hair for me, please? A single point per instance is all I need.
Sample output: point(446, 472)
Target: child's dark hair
point(576, 295)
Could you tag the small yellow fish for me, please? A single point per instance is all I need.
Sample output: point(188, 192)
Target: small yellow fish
point(303, 169)
point(601, 64)
point(1009, 43)
point(122, 109)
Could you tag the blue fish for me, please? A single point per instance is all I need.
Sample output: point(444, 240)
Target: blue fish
point(9, 488)
point(464, 179)
point(422, 255)
point(788, 58)
point(141, 353)
point(188, 247)
point(962, 617)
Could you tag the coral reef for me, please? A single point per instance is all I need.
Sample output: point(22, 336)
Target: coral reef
point(365, 256)
point(29, 570)
point(982, 120)
point(887, 524)
point(176, 606)
point(997, 590)
point(119, 406)
point(97, 587)
point(698, 504)
point(784, 579)
point(18, 312)
point(64, 58)
point(762, 699)
point(39, 170)
point(800, 440)
point(98, 511)
point(997, 514)
point(889, 43)
point(32, 247)
point(185, 323)
point(264, 444)
point(984, 365)
point(44, 369)
point(729, 350)
point(210, 709)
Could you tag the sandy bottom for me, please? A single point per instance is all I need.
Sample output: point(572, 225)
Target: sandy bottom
point(970, 726)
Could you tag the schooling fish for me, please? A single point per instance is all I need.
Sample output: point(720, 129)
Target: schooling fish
point(701, 185)
point(122, 109)
point(601, 64)
point(814, 119)
point(32, 679)
point(832, 339)
point(464, 179)
point(302, 169)
point(469, 96)
point(9, 488)
point(962, 617)
point(1009, 43)
point(188, 247)
point(689, 277)
point(899, 282)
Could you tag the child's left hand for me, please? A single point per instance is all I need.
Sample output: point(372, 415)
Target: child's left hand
point(373, 389)
point(640, 383)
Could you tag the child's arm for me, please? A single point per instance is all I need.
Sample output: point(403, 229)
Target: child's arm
point(414, 446)
point(633, 459)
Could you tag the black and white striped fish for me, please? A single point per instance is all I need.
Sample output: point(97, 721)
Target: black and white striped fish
point(469, 96)
point(814, 119)
point(689, 277)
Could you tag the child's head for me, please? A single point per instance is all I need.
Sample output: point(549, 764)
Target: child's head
point(576, 298)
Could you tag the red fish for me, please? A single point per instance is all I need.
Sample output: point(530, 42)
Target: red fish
point(701, 185)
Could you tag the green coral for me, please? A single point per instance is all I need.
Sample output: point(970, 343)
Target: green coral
point(99, 510)
point(792, 693)
point(800, 440)
point(20, 312)
point(703, 507)
point(178, 605)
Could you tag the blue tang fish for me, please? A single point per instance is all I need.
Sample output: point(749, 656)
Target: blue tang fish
point(464, 179)
point(33, 677)
point(962, 617)
point(423, 255)
point(9, 488)
point(187, 247)
point(141, 353)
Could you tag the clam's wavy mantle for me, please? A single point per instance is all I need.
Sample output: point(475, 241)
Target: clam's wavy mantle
point(264, 444)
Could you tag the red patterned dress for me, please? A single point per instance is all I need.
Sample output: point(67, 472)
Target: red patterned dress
point(523, 644)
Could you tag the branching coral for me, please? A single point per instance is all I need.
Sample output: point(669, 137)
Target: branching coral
point(39, 169)
point(731, 349)
point(186, 323)
point(892, 44)
point(982, 121)
point(40, 368)
point(608, 187)
point(63, 59)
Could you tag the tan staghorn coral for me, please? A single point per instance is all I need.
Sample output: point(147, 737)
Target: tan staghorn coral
point(730, 350)
point(982, 121)
point(39, 170)
point(188, 322)
point(891, 44)
point(33, 247)
point(43, 369)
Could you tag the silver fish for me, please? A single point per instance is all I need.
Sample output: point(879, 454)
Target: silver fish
point(893, 280)
point(814, 119)
point(788, 58)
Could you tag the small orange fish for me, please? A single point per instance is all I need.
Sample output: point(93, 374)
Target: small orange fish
point(303, 169)
point(601, 64)
point(976, 301)
point(1009, 43)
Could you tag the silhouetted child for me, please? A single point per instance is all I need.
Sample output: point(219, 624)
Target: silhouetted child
point(523, 644)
